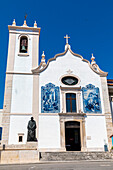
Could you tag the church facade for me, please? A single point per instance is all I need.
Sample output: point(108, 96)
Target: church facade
point(69, 97)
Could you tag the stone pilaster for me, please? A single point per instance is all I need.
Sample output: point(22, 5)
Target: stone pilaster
point(107, 110)
point(63, 102)
point(83, 142)
point(7, 108)
point(79, 101)
point(35, 105)
point(35, 51)
point(8, 89)
point(62, 134)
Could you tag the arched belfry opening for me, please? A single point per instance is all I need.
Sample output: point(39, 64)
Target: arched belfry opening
point(72, 136)
point(23, 44)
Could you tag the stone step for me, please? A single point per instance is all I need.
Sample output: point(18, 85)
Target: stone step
point(72, 156)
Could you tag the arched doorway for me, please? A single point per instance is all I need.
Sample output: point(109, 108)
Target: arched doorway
point(72, 136)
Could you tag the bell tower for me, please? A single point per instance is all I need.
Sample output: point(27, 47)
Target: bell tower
point(23, 56)
point(23, 52)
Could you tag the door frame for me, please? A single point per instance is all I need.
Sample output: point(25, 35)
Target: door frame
point(72, 117)
point(72, 129)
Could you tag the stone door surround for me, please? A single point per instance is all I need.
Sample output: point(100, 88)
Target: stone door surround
point(64, 117)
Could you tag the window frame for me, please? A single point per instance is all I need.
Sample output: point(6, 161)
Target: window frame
point(69, 75)
point(75, 90)
point(71, 103)
point(22, 135)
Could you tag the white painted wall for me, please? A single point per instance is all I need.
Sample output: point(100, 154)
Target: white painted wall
point(18, 124)
point(49, 131)
point(1, 114)
point(61, 65)
point(96, 129)
point(22, 92)
point(23, 63)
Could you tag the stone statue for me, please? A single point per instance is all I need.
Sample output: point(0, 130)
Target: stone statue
point(31, 130)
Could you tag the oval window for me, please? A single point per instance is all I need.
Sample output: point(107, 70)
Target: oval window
point(69, 80)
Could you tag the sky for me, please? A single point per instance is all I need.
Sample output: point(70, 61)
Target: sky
point(89, 23)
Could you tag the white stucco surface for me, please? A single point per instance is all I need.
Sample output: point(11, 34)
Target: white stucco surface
point(49, 132)
point(22, 90)
point(1, 113)
point(59, 68)
point(96, 130)
point(18, 124)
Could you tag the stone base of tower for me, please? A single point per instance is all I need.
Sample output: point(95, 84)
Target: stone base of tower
point(11, 154)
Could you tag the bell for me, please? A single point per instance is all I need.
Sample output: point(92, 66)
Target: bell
point(23, 48)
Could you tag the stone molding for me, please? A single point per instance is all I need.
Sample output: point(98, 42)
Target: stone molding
point(27, 146)
point(21, 114)
point(14, 28)
point(75, 90)
point(41, 69)
point(69, 75)
point(79, 118)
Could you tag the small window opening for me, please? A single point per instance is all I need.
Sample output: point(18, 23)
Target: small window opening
point(23, 44)
point(20, 138)
point(69, 80)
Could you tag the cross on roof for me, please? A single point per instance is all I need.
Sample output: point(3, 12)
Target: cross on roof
point(66, 38)
point(25, 16)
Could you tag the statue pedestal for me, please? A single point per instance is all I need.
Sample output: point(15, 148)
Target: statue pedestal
point(32, 145)
point(21, 153)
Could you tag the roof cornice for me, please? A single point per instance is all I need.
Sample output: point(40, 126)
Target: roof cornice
point(10, 27)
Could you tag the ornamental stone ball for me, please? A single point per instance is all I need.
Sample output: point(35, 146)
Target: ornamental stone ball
point(31, 131)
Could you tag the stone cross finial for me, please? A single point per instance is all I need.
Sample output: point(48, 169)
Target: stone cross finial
point(43, 55)
point(25, 24)
point(43, 63)
point(66, 38)
point(93, 59)
point(14, 23)
point(35, 25)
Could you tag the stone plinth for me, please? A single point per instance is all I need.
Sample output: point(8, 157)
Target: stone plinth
point(27, 146)
point(19, 156)
point(24, 153)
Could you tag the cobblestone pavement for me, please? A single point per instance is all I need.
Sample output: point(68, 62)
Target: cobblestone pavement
point(78, 165)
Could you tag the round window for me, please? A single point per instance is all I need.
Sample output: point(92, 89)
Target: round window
point(69, 80)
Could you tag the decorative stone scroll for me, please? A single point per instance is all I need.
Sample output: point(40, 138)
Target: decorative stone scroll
point(91, 99)
point(50, 98)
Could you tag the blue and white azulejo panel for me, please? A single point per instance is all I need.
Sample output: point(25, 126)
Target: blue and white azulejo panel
point(50, 98)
